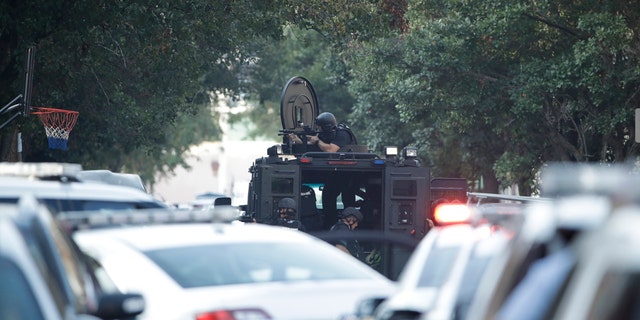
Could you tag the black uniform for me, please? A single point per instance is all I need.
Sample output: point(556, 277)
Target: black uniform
point(336, 183)
point(291, 223)
point(351, 244)
point(341, 137)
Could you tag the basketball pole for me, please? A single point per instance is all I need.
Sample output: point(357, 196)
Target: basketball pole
point(28, 88)
point(21, 103)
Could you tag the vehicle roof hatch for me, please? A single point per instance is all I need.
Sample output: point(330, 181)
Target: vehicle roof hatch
point(298, 105)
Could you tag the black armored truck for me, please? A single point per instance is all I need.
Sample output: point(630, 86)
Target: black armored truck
point(392, 190)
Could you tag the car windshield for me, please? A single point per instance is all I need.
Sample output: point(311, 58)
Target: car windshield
point(239, 263)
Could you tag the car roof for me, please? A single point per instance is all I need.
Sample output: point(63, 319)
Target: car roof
point(14, 187)
point(114, 178)
point(149, 237)
point(210, 195)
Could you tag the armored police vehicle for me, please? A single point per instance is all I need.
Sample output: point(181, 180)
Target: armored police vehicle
point(393, 191)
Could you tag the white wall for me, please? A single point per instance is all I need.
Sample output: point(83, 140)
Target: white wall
point(234, 158)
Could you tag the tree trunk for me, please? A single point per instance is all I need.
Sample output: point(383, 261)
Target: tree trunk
point(9, 144)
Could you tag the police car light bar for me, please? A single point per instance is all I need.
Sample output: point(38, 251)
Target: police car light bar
point(75, 220)
point(39, 169)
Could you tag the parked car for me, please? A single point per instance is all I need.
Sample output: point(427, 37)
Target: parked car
point(51, 271)
point(605, 279)
point(528, 279)
point(114, 178)
point(230, 270)
point(59, 187)
point(444, 271)
point(208, 200)
point(24, 293)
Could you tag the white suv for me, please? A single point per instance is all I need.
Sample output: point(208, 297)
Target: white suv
point(57, 185)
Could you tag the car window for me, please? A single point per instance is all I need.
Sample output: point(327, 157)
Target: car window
point(469, 284)
point(618, 296)
point(73, 265)
point(238, 263)
point(17, 301)
point(104, 283)
point(57, 205)
point(44, 259)
point(438, 266)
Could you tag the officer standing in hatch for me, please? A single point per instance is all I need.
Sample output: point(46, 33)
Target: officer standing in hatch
point(332, 136)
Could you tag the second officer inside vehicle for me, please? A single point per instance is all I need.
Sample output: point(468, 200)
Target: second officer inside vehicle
point(349, 221)
point(287, 209)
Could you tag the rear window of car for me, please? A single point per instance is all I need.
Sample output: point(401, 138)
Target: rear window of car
point(240, 263)
point(17, 300)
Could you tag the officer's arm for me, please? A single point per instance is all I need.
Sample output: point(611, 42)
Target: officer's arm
point(294, 138)
point(343, 248)
point(327, 147)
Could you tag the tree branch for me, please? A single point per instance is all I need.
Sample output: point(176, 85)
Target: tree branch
point(550, 23)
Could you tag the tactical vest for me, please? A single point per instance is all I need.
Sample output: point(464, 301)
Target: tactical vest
point(344, 126)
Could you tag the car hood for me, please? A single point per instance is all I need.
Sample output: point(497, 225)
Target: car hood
point(294, 300)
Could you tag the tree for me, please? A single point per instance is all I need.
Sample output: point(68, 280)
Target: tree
point(316, 45)
point(300, 53)
point(135, 71)
point(504, 87)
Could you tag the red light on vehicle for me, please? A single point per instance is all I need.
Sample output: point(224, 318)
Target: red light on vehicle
point(342, 162)
point(239, 314)
point(305, 160)
point(448, 213)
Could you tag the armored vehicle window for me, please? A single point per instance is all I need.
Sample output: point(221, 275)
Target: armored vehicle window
point(405, 188)
point(282, 185)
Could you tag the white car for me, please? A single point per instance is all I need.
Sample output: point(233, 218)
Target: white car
point(443, 272)
point(232, 271)
point(60, 188)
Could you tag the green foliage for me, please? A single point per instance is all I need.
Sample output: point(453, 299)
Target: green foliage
point(491, 90)
point(486, 90)
point(138, 72)
point(301, 53)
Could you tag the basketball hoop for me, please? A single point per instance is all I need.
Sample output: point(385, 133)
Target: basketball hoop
point(58, 123)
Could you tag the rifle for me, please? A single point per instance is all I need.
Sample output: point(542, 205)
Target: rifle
point(306, 131)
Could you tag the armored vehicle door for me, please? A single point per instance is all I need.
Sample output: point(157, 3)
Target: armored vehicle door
point(269, 184)
point(406, 203)
point(406, 198)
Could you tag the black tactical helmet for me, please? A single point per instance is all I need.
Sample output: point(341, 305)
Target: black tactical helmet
point(287, 203)
point(351, 211)
point(326, 121)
